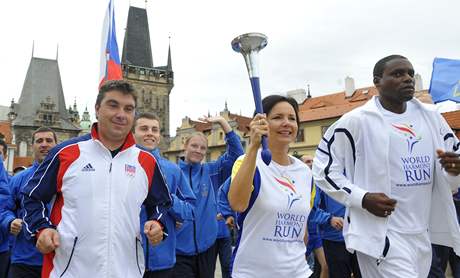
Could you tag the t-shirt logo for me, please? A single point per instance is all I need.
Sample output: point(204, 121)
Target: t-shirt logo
point(408, 131)
point(288, 186)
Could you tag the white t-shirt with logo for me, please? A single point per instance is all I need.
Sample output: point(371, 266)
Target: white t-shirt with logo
point(272, 230)
point(411, 169)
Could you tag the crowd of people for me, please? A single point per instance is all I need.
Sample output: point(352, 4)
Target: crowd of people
point(376, 200)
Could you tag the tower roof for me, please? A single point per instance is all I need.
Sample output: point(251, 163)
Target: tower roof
point(43, 82)
point(136, 46)
point(169, 66)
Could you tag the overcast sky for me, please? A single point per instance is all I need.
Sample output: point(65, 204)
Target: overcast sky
point(309, 42)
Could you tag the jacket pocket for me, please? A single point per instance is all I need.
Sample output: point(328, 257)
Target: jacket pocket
point(70, 257)
point(139, 255)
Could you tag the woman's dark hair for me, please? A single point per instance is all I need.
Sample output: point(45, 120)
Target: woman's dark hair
point(270, 101)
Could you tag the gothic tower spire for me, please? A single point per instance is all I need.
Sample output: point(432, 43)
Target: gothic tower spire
point(169, 66)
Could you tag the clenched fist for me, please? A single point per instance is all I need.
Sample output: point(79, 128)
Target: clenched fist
point(16, 226)
point(48, 241)
point(153, 231)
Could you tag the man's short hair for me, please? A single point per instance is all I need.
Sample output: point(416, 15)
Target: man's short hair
point(44, 129)
point(5, 148)
point(379, 67)
point(116, 85)
point(146, 115)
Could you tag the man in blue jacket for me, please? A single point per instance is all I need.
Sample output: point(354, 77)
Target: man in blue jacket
point(196, 240)
point(328, 215)
point(26, 261)
point(4, 193)
point(160, 259)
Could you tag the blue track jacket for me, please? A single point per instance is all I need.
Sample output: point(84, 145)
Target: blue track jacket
point(314, 237)
point(324, 208)
point(23, 250)
point(4, 195)
point(223, 206)
point(163, 256)
point(205, 179)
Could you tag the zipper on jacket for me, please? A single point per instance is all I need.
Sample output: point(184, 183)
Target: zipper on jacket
point(385, 250)
point(109, 232)
point(137, 256)
point(70, 258)
point(194, 217)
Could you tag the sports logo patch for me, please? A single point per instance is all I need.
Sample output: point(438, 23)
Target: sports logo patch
point(130, 170)
point(88, 168)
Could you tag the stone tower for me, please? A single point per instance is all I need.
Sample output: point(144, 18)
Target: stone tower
point(85, 123)
point(153, 84)
point(41, 104)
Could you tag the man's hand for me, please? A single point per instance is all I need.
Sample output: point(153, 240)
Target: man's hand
point(230, 222)
point(378, 204)
point(153, 231)
point(337, 223)
point(16, 226)
point(450, 162)
point(48, 241)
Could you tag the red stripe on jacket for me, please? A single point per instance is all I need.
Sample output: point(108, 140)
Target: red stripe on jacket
point(66, 157)
point(148, 163)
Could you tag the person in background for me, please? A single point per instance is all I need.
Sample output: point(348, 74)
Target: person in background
point(328, 215)
point(307, 159)
point(196, 247)
point(315, 242)
point(315, 252)
point(160, 259)
point(443, 254)
point(4, 195)
point(26, 260)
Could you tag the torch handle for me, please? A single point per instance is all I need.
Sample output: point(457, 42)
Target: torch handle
point(255, 84)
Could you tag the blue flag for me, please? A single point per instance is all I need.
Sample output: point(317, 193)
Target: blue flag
point(445, 80)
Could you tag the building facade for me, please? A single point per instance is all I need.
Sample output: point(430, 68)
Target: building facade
point(41, 103)
point(213, 132)
point(153, 84)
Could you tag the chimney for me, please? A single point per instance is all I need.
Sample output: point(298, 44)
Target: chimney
point(418, 82)
point(349, 86)
point(299, 95)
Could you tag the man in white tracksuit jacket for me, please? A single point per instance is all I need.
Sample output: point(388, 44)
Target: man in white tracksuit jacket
point(96, 185)
point(393, 163)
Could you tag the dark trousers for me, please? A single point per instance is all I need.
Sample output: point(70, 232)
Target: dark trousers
point(340, 262)
point(442, 255)
point(164, 273)
point(224, 250)
point(202, 265)
point(24, 271)
point(4, 263)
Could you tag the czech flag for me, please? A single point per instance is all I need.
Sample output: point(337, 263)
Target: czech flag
point(445, 80)
point(110, 59)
